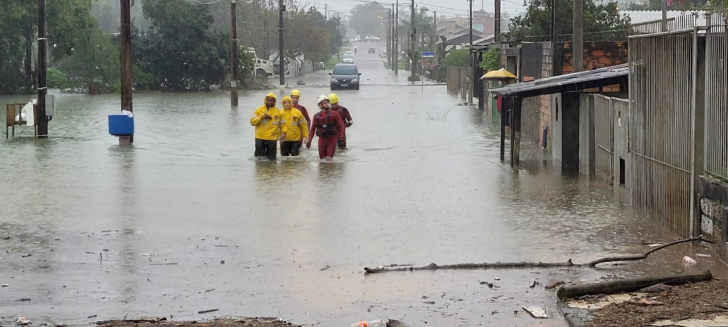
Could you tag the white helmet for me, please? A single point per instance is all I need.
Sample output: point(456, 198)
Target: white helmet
point(321, 98)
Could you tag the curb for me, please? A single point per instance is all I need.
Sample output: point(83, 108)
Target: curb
point(574, 317)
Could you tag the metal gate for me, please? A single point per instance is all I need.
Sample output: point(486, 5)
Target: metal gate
point(716, 97)
point(604, 138)
point(661, 83)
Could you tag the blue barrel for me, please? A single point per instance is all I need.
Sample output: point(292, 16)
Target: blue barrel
point(121, 125)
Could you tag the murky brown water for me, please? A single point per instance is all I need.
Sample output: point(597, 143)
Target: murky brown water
point(408, 190)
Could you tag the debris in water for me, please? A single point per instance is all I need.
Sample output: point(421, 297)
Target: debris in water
point(429, 302)
point(688, 261)
point(425, 297)
point(5, 285)
point(26, 255)
point(554, 285)
point(534, 284)
point(497, 278)
point(90, 317)
point(659, 288)
point(536, 312)
point(222, 262)
point(655, 245)
point(207, 311)
point(23, 320)
point(702, 255)
point(494, 312)
point(490, 285)
point(148, 254)
point(24, 300)
point(645, 302)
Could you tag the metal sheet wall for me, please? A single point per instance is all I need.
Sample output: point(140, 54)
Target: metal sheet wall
point(660, 127)
point(716, 98)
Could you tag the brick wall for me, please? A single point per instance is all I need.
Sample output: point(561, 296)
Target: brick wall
point(597, 55)
point(546, 71)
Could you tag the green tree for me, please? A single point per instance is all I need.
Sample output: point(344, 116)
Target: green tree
point(456, 58)
point(367, 19)
point(180, 48)
point(11, 45)
point(601, 21)
point(491, 60)
point(95, 61)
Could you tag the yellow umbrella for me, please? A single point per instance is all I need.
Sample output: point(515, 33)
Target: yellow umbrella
point(499, 74)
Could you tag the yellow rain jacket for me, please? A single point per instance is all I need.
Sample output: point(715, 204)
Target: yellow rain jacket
point(267, 129)
point(293, 123)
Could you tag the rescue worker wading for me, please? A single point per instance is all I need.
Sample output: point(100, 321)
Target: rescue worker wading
point(328, 126)
point(267, 128)
point(345, 116)
point(293, 129)
point(296, 96)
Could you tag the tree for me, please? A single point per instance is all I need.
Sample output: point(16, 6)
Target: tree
point(96, 61)
point(180, 48)
point(11, 45)
point(367, 19)
point(491, 60)
point(601, 22)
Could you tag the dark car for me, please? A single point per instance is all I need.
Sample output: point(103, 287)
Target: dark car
point(345, 76)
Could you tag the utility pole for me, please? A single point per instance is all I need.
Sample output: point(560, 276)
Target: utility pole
point(663, 27)
point(233, 55)
point(392, 21)
point(554, 32)
point(126, 90)
point(577, 48)
point(281, 28)
point(413, 57)
point(497, 28)
point(326, 11)
point(42, 119)
point(471, 22)
point(396, 38)
point(437, 37)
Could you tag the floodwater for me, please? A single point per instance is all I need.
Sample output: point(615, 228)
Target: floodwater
point(185, 220)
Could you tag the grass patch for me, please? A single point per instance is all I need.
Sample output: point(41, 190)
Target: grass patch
point(333, 61)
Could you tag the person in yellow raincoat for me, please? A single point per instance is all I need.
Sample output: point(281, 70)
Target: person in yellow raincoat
point(266, 120)
point(293, 127)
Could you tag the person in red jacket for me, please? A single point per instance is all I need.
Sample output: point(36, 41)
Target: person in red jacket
point(328, 126)
point(345, 116)
point(296, 96)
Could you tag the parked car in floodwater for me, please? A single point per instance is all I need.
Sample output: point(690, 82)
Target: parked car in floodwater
point(345, 76)
point(348, 59)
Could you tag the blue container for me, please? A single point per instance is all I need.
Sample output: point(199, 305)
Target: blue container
point(121, 125)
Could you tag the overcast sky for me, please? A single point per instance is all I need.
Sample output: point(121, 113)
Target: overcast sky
point(443, 7)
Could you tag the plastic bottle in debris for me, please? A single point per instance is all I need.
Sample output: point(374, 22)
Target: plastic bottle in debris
point(373, 323)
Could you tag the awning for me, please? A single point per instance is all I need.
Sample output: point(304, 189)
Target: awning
point(570, 82)
point(499, 74)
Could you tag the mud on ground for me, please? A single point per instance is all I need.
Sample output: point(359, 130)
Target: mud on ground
point(242, 322)
point(698, 301)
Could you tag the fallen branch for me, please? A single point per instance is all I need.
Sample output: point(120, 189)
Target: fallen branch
point(497, 265)
point(644, 256)
point(632, 284)
point(525, 265)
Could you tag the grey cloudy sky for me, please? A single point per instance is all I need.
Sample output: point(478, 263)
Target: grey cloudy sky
point(444, 7)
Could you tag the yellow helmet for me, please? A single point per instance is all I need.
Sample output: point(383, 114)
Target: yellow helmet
point(296, 93)
point(333, 98)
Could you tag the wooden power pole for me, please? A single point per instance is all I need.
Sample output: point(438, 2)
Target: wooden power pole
point(413, 61)
point(281, 57)
point(233, 55)
point(126, 80)
point(42, 119)
point(396, 37)
point(577, 53)
point(497, 28)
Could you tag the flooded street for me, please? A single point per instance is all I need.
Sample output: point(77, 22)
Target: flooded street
point(186, 220)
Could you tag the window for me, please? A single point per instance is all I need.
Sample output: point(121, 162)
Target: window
point(345, 70)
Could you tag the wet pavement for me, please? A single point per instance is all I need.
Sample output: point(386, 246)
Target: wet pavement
point(186, 220)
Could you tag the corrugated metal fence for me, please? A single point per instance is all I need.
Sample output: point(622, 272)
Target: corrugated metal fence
point(604, 138)
point(660, 124)
point(716, 98)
